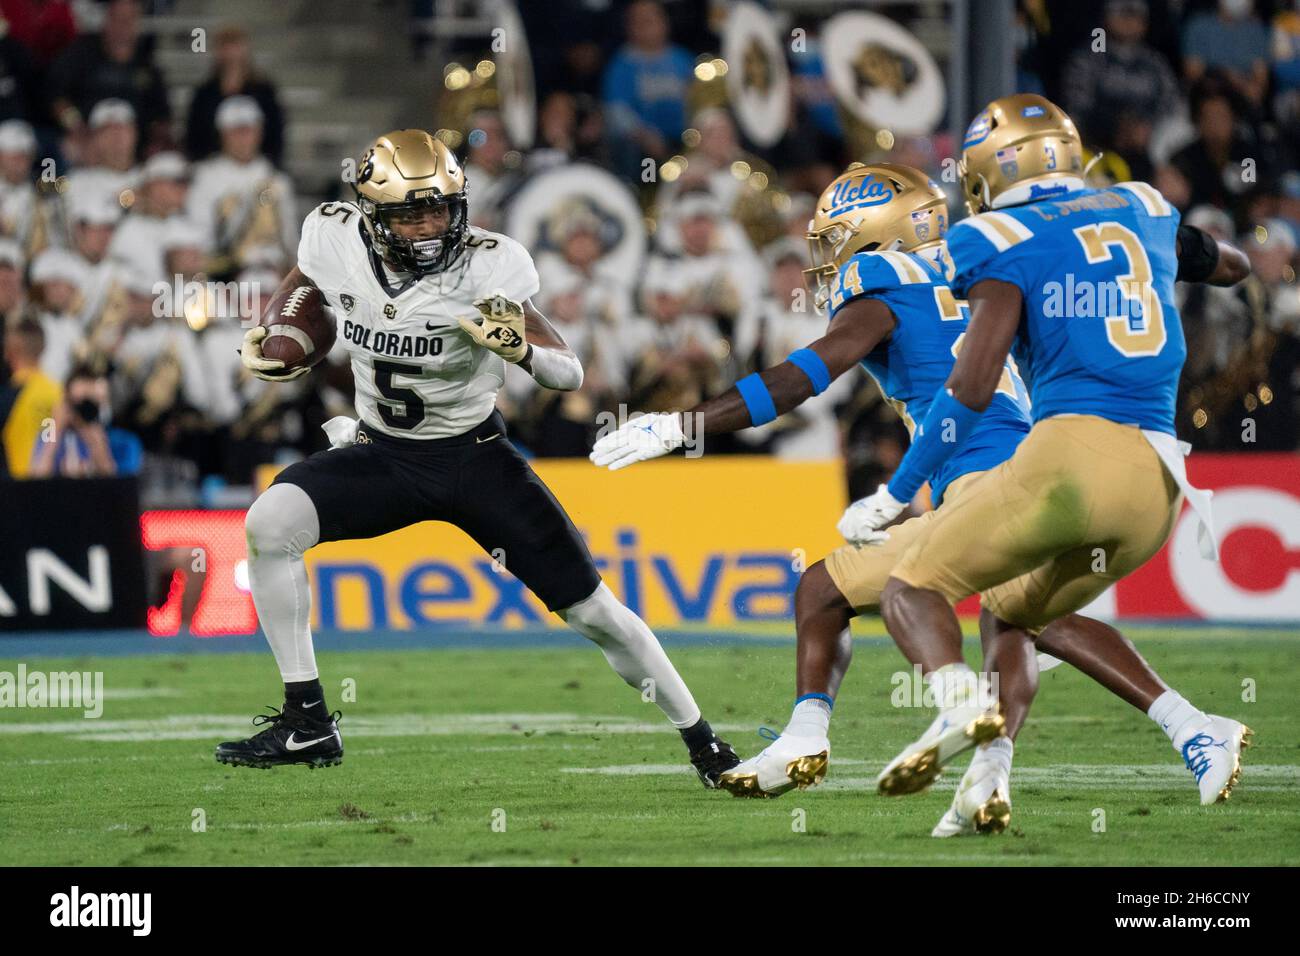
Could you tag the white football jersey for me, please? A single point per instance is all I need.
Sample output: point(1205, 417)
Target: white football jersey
point(417, 374)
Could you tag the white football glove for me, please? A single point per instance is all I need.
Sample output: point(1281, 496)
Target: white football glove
point(640, 439)
point(862, 520)
point(501, 328)
point(264, 368)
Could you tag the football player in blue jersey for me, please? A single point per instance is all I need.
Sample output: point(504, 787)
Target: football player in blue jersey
point(1078, 284)
point(877, 246)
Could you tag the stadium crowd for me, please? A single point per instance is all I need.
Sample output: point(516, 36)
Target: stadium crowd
point(106, 197)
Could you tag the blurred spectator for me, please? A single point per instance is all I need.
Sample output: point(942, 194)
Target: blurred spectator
point(23, 216)
point(21, 96)
point(674, 356)
point(85, 443)
point(238, 198)
point(786, 320)
point(233, 74)
point(716, 270)
point(644, 88)
point(1116, 95)
point(1211, 165)
point(109, 169)
point(607, 291)
point(115, 64)
point(488, 180)
point(58, 278)
point(12, 263)
point(1232, 41)
point(1243, 345)
point(91, 220)
point(569, 127)
point(44, 27)
point(28, 402)
point(709, 162)
point(139, 241)
point(564, 423)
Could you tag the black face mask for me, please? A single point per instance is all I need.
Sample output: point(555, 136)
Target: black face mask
point(87, 410)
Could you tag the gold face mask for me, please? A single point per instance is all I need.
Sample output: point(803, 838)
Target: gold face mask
point(403, 173)
point(881, 206)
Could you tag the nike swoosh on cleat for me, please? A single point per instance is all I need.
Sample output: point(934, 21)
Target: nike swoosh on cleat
point(292, 744)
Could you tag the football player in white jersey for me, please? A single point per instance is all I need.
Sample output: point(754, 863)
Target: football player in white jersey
point(431, 311)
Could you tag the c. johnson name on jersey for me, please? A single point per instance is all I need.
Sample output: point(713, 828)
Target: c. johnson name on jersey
point(417, 374)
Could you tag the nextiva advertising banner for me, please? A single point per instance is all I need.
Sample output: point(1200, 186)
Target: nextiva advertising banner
point(71, 555)
point(719, 543)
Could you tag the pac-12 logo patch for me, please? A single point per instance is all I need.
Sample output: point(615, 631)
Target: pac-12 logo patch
point(348, 302)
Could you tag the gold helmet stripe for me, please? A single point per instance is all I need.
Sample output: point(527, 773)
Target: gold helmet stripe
point(907, 270)
point(1149, 196)
point(1000, 229)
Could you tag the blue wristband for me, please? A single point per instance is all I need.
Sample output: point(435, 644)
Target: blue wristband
point(811, 364)
point(947, 424)
point(757, 399)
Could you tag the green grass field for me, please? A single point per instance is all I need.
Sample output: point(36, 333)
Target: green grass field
point(442, 742)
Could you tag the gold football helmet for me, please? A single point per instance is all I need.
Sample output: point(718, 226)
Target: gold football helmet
point(1020, 140)
point(882, 206)
point(404, 171)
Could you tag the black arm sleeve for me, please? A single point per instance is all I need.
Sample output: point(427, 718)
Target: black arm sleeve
point(1198, 254)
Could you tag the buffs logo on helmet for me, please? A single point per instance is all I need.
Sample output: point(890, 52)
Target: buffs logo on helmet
point(884, 206)
point(407, 171)
point(1019, 149)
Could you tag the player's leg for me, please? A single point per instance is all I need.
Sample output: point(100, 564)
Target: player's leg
point(989, 531)
point(1209, 745)
point(982, 801)
point(1131, 502)
point(1107, 656)
point(343, 493)
point(830, 593)
point(509, 511)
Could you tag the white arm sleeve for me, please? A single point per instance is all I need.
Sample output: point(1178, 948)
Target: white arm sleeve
point(556, 370)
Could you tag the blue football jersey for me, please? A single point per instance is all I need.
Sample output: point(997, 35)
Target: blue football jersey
point(914, 362)
point(1100, 333)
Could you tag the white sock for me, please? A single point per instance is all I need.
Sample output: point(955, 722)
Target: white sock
point(953, 685)
point(280, 527)
point(998, 752)
point(633, 651)
point(1176, 717)
point(810, 718)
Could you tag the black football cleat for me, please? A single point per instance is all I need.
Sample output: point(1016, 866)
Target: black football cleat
point(290, 737)
point(713, 760)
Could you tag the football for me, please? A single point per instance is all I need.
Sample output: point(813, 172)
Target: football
point(300, 327)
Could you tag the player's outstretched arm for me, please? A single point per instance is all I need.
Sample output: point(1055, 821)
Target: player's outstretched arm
point(250, 353)
point(1201, 258)
point(758, 398)
point(858, 327)
point(549, 359)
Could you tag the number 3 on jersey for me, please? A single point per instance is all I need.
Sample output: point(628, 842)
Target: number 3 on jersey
point(1142, 331)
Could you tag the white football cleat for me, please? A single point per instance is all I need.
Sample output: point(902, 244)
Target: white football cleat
point(955, 731)
point(1213, 755)
point(786, 763)
point(982, 803)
